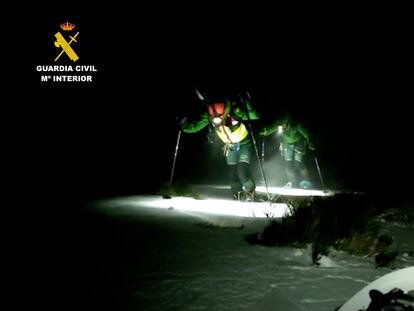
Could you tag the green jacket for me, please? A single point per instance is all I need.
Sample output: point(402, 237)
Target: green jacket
point(233, 109)
point(291, 133)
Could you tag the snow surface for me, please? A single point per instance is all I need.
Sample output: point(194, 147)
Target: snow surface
point(172, 258)
point(402, 279)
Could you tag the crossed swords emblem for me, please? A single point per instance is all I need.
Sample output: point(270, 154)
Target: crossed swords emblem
point(61, 42)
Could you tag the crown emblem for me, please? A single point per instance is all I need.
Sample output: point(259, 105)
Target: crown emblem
point(67, 26)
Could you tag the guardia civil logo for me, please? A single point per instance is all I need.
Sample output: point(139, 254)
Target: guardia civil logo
point(65, 64)
point(65, 46)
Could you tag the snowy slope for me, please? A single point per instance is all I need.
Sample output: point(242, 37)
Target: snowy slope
point(172, 258)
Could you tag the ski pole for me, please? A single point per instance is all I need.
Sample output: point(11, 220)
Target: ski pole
point(256, 150)
point(175, 156)
point(263, 149)
point(319, 171)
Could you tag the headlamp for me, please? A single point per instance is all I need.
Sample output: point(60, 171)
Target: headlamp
point(280, 129)
point(217, 120)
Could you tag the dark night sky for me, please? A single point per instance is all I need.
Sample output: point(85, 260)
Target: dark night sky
point(117, 135)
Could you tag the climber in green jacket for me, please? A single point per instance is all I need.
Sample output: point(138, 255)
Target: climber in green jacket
point(294, 143)
point(228, 120)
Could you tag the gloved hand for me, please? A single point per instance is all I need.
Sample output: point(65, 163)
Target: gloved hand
point(181, 122)
point(263, 132)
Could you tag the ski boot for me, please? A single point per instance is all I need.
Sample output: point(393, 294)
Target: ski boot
point(244, 196)
point(305, 184)
point(250, 196)
point(236, 196)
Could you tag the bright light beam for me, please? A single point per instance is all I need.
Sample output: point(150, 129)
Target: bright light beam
point(280, 190)
point(295, 192)
point(205, 206)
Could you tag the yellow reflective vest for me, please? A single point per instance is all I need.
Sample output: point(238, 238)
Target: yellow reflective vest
point(228, 136)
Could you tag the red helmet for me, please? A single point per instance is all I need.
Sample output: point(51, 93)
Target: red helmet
point(216, 109)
